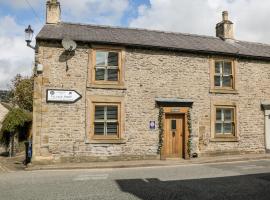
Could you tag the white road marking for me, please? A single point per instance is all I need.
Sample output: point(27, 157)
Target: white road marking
point(247, 167)
point(91, 177)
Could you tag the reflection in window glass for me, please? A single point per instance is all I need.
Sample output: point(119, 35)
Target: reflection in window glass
point(223, 74)
point(106, 68)
point(173, 124)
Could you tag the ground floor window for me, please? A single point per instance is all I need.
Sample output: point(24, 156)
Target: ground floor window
point(224, 121)
point(106, 120)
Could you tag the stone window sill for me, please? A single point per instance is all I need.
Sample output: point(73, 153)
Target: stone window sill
point(106, 86)
point(107, 141)
point(224, 91)
point(225, 139)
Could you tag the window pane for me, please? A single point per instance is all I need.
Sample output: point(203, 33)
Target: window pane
point(99, 128)
point(218, 128)
point(218, 66)
point(99, 112)
point(100, 74)
point(227, 81)
point(112, 113)
point(218, 114)
point(228, 115)
point(217, 81)
point(228, 128)
point(112, 59)
point(101, 58)
point(112, 74)
point(112, 128)
point(173, 124)
point(227, 68)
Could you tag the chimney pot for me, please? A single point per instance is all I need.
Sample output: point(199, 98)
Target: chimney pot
point(225, 15)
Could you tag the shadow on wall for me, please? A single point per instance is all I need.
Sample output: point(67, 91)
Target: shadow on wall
point(246, 187)
point(66, 55)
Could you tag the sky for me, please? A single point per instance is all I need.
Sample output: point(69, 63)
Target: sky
point(250, 18)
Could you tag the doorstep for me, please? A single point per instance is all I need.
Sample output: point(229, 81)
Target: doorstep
point(148, 163)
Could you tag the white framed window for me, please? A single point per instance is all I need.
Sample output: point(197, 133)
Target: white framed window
point(106, 120)
point(224, 76)
point(224, 121)
point(106, 65)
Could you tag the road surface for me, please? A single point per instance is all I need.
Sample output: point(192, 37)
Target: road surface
point(232, 181)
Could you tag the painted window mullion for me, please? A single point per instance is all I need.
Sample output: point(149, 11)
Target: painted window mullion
point(105, 120)
point(221, 73)
point(106, 73)
point(222, 119)
point(106, 66)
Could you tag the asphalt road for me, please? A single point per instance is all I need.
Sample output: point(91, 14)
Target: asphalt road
point(233, 181)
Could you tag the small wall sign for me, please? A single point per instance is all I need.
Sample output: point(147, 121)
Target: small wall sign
point(62, 96)
point(152, 125)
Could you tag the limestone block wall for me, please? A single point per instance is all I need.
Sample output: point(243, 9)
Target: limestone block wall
point(60, 129)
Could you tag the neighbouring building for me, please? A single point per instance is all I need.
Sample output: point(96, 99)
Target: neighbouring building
point(3, 111)
point(143, 94)
point(4, 95)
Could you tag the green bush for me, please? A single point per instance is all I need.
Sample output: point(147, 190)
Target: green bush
point(15, 121)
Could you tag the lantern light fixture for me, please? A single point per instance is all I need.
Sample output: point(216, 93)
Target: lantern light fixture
point(29, 36)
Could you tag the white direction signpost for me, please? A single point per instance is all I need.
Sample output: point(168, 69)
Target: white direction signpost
point(62, 96)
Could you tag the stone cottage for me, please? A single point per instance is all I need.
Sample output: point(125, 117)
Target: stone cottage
point(143, 94)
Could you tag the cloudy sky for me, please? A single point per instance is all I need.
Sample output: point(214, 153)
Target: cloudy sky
point(251, 19)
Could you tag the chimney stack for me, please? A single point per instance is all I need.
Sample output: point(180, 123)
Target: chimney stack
point(53, 12)
point(224, 29)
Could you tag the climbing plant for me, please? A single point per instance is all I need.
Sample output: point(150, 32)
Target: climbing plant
point(190, 132)
point(161, 129)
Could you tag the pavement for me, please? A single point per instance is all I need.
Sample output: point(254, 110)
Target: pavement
point(237, 180)
point(12, 164)
point(147, 163)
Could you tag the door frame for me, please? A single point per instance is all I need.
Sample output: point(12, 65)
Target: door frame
point(180, 111)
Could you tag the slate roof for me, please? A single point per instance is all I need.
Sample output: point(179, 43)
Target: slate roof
point(153, 39)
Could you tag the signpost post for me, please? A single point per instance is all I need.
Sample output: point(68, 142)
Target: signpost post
point(62, 96)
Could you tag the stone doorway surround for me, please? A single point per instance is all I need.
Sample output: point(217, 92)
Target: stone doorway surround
point(266, 108)
point(180, 107)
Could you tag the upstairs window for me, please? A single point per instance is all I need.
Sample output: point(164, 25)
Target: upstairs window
point(107, 66)
point(224, 76)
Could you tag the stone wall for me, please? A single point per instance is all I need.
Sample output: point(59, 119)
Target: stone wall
point(60, 129)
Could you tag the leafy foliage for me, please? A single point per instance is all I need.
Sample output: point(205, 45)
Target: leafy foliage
point(15, 119)
point(15, 122)
point(22, 92)
point(161, 129)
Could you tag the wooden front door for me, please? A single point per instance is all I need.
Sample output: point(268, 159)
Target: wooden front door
point(174, 136)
